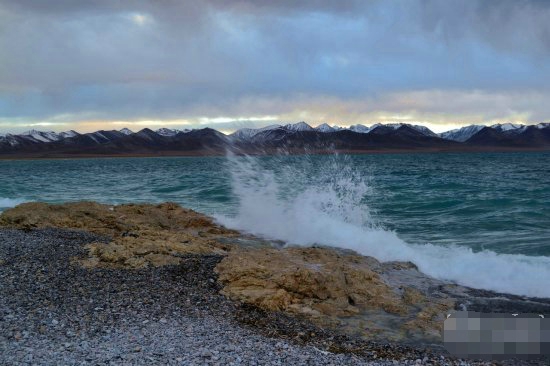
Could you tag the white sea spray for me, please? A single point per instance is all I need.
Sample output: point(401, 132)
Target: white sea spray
point(10, 202)
point(326, 205)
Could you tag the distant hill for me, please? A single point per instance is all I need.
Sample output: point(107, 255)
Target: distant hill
point(291, 137)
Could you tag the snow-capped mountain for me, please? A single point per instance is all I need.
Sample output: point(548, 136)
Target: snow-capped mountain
point(300, 126)
point(509, 127)
point(422, 129)
point(461, 134)
point(126, 131)
point(269, 133)
point(325, 128)
point(361, 128)
point(43, 136)
point(365, 129)
point(47, 136)
point(396, 136)
point(67, 134)
point(506, 129)
point(170, 131)
point(247, 134)
point(9, 139)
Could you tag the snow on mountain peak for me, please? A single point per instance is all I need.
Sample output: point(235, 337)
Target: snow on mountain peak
point(126, 131)
point(46, 136)
point(461, 134)
point(168, 132)
point(244, 133)
point(325, 128)
point(249, 133)
point(360, 128)
point(507, 126)
point(364, 129)
point(300, 126)
point(67, 134)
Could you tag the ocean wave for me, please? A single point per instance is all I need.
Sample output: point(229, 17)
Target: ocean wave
point(10, 202)
point(305, 208)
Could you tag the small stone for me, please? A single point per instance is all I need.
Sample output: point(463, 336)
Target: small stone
point(206, 353)
point(55, 322)
point(137, 349)
point(163, 320)
point(17, 336)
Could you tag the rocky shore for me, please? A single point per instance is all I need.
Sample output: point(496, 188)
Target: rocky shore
point(86, 283)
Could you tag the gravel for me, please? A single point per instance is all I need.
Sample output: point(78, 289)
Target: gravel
point(52, 311)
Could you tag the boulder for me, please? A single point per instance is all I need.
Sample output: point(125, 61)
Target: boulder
point(331, 287)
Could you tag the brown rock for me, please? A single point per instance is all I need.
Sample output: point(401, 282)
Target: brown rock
point(310, 281)
point(333, 288)
point(142, 234)
point(412, 296)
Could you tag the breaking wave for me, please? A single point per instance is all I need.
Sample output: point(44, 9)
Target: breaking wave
point(306, 204)
point(10, 202)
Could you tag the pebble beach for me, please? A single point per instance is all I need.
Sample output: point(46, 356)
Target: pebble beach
point(55, 312)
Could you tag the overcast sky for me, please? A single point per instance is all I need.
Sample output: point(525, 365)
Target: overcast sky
point(109, 64)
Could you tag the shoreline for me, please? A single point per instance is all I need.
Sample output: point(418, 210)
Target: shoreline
point(59, 313)
point(161, 308)
point(106, 273)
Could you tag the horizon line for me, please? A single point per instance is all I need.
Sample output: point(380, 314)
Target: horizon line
point(226, 132)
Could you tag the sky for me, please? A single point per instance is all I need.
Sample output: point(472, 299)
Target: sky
point(108, 64)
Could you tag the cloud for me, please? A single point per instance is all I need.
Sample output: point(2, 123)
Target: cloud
point(183, 60)
point(440, 110)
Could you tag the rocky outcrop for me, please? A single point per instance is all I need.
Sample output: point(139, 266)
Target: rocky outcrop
point(332, 287)
point(311, 281)
point(140, 234)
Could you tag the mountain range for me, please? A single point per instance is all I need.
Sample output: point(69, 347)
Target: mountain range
point(291, 137)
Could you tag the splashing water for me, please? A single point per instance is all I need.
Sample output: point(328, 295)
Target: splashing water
point(309, 204)
point(10, 202)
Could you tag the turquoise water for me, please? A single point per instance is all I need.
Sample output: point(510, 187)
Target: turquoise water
point(498, 201)
point(480, 202)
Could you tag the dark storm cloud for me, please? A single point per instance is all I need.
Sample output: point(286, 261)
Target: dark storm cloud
point(164, 59)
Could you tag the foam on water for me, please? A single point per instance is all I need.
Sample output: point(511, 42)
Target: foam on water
point(326, 205)
point(10, 202)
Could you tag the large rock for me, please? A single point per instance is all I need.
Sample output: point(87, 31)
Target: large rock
point(141, 234)
point(332, 287)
